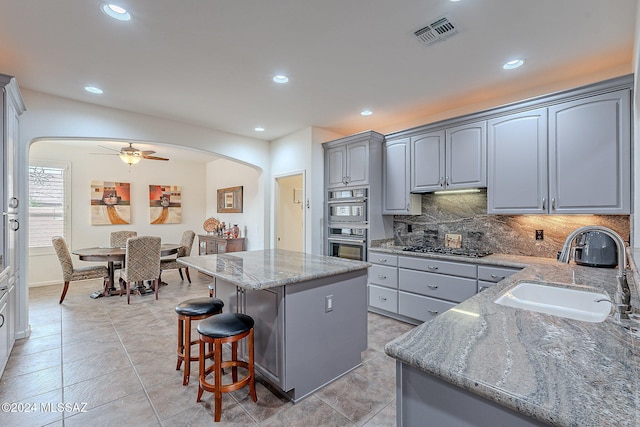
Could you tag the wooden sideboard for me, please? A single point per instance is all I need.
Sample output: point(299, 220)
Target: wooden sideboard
point(218, 245)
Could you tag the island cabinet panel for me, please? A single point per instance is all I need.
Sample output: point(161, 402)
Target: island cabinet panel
point(422, 399)
point(326, 324)
point(264, 306)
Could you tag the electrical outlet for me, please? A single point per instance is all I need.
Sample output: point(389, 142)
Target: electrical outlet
point(409, 228)
point(539, 234)
point(328, 303)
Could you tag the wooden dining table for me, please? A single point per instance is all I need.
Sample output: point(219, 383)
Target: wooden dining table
point(110, 255)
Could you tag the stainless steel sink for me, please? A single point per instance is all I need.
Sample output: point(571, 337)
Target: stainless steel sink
point(569, 302)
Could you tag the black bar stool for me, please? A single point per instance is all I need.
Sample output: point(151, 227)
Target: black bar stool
point(218, 330)
point(189, 310)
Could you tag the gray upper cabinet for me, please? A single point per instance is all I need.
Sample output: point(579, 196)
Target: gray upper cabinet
point(427, 162)
point(570, 158)
point(348, 165)
point(590, 155)
point(395, 178)
point(449, 159)
point(517, 163)
point(466, 156)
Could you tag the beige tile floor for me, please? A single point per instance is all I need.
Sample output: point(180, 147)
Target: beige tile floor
point(112, 364)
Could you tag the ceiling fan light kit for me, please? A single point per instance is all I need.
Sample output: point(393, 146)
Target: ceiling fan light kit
point(130, 158)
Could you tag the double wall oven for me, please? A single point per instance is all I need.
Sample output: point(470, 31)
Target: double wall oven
point(348, 226)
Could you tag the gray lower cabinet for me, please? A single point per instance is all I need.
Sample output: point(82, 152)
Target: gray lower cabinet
point(423, 399)
point(569, 158)
point(489, 275)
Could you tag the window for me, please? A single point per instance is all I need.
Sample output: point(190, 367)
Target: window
point(48, 194)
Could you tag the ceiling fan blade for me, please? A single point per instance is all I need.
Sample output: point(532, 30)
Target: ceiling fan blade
point(153, 158)
point(147, 152)
point(108, 148)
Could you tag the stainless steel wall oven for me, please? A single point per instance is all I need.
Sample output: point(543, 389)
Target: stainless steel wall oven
point(347, 231)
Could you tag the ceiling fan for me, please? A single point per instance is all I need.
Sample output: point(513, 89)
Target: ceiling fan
point(131, 155)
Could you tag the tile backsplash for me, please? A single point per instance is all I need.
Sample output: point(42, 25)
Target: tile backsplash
point(466, 214)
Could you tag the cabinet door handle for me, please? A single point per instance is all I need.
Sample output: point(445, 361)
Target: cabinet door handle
point(13, 202)
point(441, 181)
point(431, 267)
point(482, 288)
point(432, 286)
point(382, 260)
point(14, 224)
point(544, 204)
point(380, 276)
point(446, 181)
point(434, 312)
point(553, 204)
point(383, 299)
point(2, 317)
point(495, 276)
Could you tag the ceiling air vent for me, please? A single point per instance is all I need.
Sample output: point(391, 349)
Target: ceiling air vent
point(438, 30)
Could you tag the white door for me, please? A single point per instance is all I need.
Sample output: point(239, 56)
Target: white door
point(289, 213)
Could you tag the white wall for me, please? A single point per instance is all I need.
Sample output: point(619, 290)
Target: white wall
point(302, 152)
point(225, 173)
point(45, 269)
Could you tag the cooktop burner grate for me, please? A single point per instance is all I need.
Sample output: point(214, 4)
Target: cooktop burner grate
point(473, 253)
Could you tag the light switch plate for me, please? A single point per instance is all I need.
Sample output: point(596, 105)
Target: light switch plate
point(453, 240)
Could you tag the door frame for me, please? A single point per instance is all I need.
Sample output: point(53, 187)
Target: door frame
point(276, 201)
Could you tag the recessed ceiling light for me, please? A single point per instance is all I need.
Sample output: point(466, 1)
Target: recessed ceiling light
point(93, 89)
point(366, 112)
point(116, 12)
point(259, 129)
point(513, 64)
point(280, 78)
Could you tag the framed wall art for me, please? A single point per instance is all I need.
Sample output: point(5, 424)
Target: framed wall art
point(110, 203)
point(230, 200)
point(165, 204)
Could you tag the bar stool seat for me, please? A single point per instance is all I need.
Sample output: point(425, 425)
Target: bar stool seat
point(189, 310)
point(220, 329)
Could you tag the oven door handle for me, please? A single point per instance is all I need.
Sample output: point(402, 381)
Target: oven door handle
point(346, 201)
point(333, 239)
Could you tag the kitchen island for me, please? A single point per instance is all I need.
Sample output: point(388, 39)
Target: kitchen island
point(310, 312)
point(484, 364)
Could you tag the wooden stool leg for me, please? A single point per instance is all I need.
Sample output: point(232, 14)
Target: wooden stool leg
point(187, 351)
point(202, 373)
point(234, 357)
point(180, 343)
point(217, 412)
point(252, 383)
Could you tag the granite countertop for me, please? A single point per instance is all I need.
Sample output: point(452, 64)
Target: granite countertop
point(556, 370)
point(270, 268)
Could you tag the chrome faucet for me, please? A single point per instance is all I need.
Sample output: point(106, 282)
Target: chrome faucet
point(622, 300)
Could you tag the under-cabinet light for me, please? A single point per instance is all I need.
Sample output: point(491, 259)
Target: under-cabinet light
point(467, 190)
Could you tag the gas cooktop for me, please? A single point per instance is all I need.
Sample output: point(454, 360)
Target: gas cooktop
point(474, 253)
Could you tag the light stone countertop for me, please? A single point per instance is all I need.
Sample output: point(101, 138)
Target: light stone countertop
point(559, 371)
point(270, 268)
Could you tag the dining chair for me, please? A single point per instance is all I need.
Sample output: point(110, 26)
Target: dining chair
point(118, 239)
point(141, 262)
point(185, 250)
point(70, 274)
